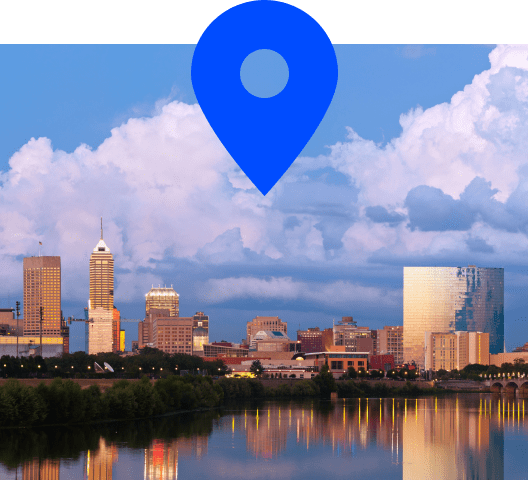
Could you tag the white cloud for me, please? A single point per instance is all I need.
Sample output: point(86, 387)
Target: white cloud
point(167, 189)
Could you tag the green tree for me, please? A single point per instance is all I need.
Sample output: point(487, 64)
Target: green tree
point(256, 368)
point(325, 381)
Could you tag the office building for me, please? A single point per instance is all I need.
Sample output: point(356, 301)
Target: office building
point(354, 338)
point(9, 325)
point(449, 299)
point(265, 323)
point(162, 298)
point(200, 332)
point(273, 341)
point(449, 351)
point(311, 340)
point(101, 303)
point(390, 342)
point(173, 334)
point(116, 330)
point(42, 292)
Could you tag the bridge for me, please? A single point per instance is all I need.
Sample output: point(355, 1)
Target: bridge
point(508, 385)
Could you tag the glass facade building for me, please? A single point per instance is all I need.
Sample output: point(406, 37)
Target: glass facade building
point(449, 299)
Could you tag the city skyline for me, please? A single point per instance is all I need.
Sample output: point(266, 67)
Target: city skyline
point(331, 239)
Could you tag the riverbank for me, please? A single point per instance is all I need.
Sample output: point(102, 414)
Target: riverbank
point(35, 402)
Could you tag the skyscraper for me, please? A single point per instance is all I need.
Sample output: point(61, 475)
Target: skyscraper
point(42, 288)
point(101, 276)
point(449, 299)
point(101, 303)
point(163, 298)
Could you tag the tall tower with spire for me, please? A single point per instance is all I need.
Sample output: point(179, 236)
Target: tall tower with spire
point(102, 276)
point(101, 303)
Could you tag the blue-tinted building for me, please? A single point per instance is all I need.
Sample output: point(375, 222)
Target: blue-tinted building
point(449, 299)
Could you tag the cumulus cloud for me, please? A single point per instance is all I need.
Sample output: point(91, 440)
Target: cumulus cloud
point(453, 185)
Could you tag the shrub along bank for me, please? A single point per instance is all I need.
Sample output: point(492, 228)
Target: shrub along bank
point(64, 402)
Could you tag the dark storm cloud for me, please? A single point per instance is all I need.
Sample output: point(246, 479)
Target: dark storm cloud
point(479, 245)
point(430, 209)
point(379, 214)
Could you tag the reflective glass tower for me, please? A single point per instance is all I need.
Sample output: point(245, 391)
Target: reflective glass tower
point(449, 299)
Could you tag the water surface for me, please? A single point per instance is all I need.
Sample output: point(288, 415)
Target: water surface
point(464, 436)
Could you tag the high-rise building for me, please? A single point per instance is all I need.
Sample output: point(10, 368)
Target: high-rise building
point(274, 324)
point(163, 298)
point(390, 342)
point(449, 299)
point(42, 289)
point(101, 303)
point(101, 276)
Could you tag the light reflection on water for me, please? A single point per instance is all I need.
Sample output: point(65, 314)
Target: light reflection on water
point(447, 437)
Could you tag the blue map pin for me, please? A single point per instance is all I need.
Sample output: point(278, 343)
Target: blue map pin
point(264, 135)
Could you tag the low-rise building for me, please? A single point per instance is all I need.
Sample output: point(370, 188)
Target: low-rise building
point(273, 341)
point(339, 362)
point(31, 346)
point(381, 362)
point(225, 349)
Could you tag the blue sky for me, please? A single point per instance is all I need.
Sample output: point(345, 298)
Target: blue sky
point(420, 160)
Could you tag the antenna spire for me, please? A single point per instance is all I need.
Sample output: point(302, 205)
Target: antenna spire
point(101, 228)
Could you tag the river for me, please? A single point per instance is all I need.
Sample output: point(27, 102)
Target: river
point(448, 437)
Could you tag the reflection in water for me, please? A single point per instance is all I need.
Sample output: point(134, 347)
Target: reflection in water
point(447, 437)
point(98, 463)
point(41, 470)
point(161, 458)
point(444, 439)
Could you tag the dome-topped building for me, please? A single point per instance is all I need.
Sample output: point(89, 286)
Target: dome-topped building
point(163, 298)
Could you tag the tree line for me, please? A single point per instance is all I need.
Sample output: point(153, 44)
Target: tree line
point(151, 362)
point(64, 402)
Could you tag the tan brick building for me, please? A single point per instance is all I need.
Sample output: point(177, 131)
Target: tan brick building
point(42, 288)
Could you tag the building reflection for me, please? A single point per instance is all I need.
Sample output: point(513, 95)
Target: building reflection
point(430, 437)
point(345, 427)
point(37, 469)
point(161, 458)
point(441, 441)
point(98, 463)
